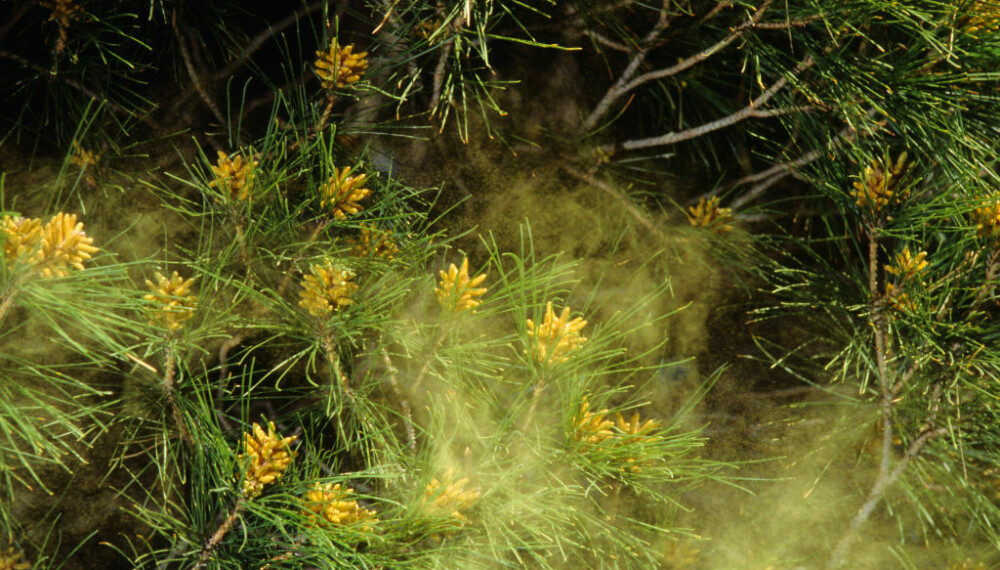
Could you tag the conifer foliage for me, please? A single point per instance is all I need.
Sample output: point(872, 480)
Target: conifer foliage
point(301, 366)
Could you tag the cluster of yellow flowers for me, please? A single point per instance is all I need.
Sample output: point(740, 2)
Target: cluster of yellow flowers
point(374, 243)
point(428, 29)
point(83, 157)
point(327, 289)
point(987, 218)
point(52, 249)
point(879, 187)
point(268, 454)
point(594, 428)
point(907, 268)
point(174, 303)
point(328, 502)
point(555, 337)
point(456, 291)
point(590, 427)
point(339, 66)
point(899, 299)
point(450, 497)
point(981, 16)
point(13, 559)
point(708, 214)
point(62, 12)
point(907, 265)
point(234, 176)
point(343, 192)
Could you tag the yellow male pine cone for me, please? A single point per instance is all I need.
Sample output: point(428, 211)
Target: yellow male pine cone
point(13, 559)
point(592, 427)
point(456, 291)
point(342, 193)
point(987, 218)
point(22, 240)
point(450, 497)
point(174, 304)
point(268, 454)
point(338, 66)
point(907, 265)
point(555, 337)
point(634, 429)
point(64, 246)
point(708, 214)
point(83, 157)
point(234, 176)
point(326, 290)
point(879, 187)
point(333, 505)
point(374, 243)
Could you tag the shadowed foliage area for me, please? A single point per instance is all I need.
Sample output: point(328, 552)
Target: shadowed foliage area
point(499, 283)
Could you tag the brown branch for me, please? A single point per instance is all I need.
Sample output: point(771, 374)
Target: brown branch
point(877, 493)
point(751, 110)
point(608, 42)
point(536, 396)
point(789, 24)
point(616, 91)
point(887, 475)
point(878, 313)
point(193, 74)
point(213, 542)
point(719, 7)
point(704, 54)
point(8, 302)
point(439, 77)
point(775, 173)
point(442, 333)
point(904, 379)
point(989, 282)
point(626, 84)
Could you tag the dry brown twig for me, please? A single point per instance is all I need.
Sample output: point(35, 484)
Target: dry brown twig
point(616, 91)
point(627, 82)
point(196, 81)
point(750, 111)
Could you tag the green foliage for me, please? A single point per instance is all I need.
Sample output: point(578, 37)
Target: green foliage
point(419, 420)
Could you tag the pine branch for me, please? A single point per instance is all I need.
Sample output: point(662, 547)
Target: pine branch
point(774, 174)
point(884, 481)
point(607, 42)
point(411, 435)
point(439, 72)
point(626, 84)
point(220, 533)
point(750, 111)
point(170, 369)
point(617, 90)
